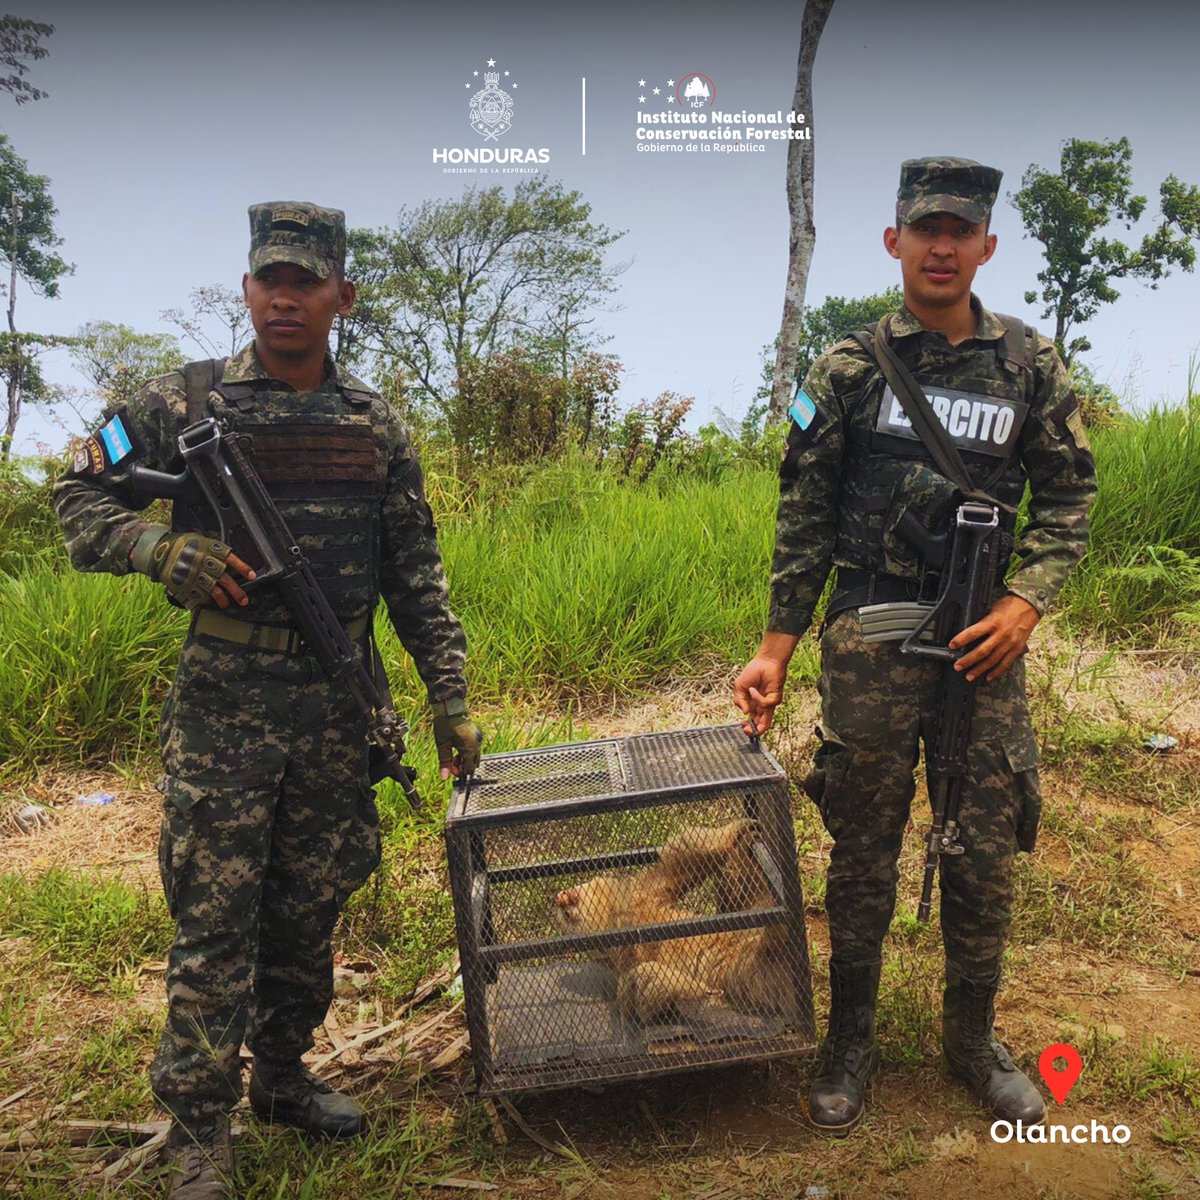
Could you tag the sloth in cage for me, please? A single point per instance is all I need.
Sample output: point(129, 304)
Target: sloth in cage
point(744, 969)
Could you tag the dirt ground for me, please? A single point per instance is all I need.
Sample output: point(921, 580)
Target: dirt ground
point(1105, 955)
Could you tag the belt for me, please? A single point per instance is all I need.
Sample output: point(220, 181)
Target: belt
point(276, 639)
point(856, 588)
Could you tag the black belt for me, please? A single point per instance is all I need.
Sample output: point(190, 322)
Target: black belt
point(856, 588)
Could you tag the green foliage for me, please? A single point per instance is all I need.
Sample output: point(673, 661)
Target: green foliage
point(20, 44)
point(1163, 580)
point(29, 241)
point(21, 373)
point(87, 661)
point(27, 247)
point(1140, 577)
point(570, 581)
point(648, 431)
point(835, 318)
point(715, 453)
point(516, 408)
point(29, 531)
point(1068, 213)
point(1161, 1068)
point(466, 279)
point(117, 360)
point(94, 929)
point(1099, 404)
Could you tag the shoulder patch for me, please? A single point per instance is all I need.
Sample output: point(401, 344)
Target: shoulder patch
point(112, 444)
point(806, 424)
point(803, 410)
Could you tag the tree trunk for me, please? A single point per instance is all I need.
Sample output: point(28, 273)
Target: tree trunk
point(803, 235)
point(1060, 335)
point(13, 369)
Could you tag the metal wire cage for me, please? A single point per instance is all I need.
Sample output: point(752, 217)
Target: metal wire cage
point(626, 908)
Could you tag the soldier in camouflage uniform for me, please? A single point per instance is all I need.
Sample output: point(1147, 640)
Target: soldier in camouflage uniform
point(269, 816)
point(852, 467)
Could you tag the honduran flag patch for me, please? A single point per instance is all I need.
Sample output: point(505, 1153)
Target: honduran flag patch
point(803, 410)
point(111, 444)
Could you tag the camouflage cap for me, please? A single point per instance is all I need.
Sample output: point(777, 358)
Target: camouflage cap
point(295, 231)
point(954, 185)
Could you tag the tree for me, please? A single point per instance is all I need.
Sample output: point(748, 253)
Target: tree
point(27, 246)
point(462, 280)
point(213, 304)
point(802, 237)
point(116, 361)
point(20, 44)
point(1068, 213)
point(837, 317)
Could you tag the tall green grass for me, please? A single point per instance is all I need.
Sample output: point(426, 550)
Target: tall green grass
point(570, 585)
point(574, 584)
point(1141, 578)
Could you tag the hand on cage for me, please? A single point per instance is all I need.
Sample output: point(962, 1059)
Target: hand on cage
point(757, 692)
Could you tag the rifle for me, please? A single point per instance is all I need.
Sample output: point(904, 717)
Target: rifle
point(968, 559)
point(217, 461)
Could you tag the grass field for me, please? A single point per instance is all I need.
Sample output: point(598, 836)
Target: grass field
point(572, 584)
point(1104, 955)
point(594, 608)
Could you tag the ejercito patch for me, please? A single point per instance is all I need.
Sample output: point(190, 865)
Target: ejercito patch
point(979, 424)
point(297, 216)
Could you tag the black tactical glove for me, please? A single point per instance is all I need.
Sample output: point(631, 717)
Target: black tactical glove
point(188, 565)
point(454, 730)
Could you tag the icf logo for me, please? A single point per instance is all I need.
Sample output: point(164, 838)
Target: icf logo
point(695, 91)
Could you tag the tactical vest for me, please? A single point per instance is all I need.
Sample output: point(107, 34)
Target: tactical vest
point(985, 393)
point(323, 458)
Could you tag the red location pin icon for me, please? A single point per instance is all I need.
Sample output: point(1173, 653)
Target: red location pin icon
point(1059, 1082)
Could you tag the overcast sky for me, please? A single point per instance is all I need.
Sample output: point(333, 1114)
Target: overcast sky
point(164, 122)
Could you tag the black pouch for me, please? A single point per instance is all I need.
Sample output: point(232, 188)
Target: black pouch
point(931, 498)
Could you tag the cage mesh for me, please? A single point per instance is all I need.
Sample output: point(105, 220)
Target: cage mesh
point(626, 908)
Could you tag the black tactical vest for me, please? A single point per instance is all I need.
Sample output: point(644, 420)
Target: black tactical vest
point(984, 394)
point(323, 458)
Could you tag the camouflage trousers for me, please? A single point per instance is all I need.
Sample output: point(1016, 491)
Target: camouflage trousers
point(876, 705)
point(269, 823)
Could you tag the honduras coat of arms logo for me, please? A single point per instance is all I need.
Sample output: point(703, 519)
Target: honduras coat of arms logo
point(491, 108)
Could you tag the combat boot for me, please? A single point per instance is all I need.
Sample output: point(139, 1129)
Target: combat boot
point(201, 1158)
point(849, 1053)
point(974, 1056)
point(290, 1094)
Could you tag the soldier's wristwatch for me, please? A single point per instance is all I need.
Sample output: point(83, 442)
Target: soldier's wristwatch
point(456, 706)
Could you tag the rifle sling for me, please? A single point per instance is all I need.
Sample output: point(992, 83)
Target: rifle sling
point(920, 412)
point(200, 379)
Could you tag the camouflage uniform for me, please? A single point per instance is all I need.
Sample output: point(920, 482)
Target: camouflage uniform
point(837, 507)
point(269, 817)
